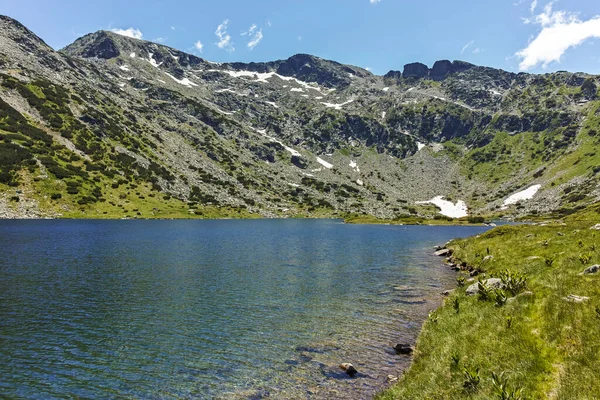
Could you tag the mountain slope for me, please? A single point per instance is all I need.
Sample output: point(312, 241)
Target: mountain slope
point(113, 126)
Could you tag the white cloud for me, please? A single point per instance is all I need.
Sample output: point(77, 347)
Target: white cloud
point(374, 1)
point(224, 42)
point(250, 30)
point(561, 30)
point(198, 46)
point(477, 51)
point(159, 40)
point(256, 38)
point(130, 32)
point(299, 38)
point(533, 6)
point(172, 28)
point(466, 46)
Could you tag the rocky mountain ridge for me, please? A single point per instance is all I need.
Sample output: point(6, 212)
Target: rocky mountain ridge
point(126, 127)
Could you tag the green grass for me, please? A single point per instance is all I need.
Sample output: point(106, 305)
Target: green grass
point(546, 346)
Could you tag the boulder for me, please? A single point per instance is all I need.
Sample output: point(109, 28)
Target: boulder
point(448, 292)
point(349, 369)
point(591, 270)
point(443, 252)
point(596, 227)
point(403, 349)
point(487, 258)
point(492, 283)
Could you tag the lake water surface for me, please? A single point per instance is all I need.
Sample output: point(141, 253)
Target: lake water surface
point(211, 309)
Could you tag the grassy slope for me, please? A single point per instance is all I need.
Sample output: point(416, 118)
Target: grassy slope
point(551, 347)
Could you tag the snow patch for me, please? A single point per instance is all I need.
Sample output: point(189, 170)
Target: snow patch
point(124, 68)
point(420, 145)
point(354, 166)
point(132, 55)
point(383, 114)
point(152, 61)
point(448, 208)
point(324, 163)
point(184, 81)
point(337, 106)
point(161, 81)
point(263, 132)
point(360, 182)
point(526, 194)
point(385, 89)
point(229, 91)
point(272, 104)
point(296, 90)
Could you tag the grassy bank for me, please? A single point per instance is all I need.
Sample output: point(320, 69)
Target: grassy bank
point(413, 220)
point(534, 345)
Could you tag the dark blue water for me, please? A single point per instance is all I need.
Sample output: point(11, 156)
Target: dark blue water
point(211, 309)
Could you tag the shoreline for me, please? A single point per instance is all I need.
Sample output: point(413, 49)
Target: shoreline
point(508, 335)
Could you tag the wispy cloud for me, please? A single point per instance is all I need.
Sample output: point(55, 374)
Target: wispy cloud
point(533, 6)
point(466, 46)
point(199, 46)
point(130, 32)
point(255, 35)
point(250, 30)
point(374, 1)
point(256, 39)
point(477, 50)
point(224, 42)
point(561, 30)
point(159, 40)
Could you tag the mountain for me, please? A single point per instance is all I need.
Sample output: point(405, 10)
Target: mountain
point(119, 127)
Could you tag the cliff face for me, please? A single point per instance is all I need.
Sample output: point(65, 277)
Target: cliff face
point(298, 136)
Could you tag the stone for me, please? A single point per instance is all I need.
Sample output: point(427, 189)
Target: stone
point(487, 258)
point(443, 252)
point(591, 270)
point(530, 236)
point(299, 162)
point(403, 349)
point(475, 272)
point(349, 369)
point(392, 378)
point(560, 234)
point(576, 299)
point(448, 292)
point(596, 227)
point(492, 283)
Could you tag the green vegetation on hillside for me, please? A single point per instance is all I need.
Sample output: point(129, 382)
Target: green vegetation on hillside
point(536, 337)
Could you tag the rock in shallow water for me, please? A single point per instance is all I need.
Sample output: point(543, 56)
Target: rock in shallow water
point(403, 349)
point(348, 368)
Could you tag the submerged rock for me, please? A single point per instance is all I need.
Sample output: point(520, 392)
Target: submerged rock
point(349, 369)
point(403, 349)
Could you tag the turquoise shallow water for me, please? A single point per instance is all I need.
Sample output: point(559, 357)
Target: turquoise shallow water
point(211, 309)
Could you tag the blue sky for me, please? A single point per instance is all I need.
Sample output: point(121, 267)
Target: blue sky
point(529, 35)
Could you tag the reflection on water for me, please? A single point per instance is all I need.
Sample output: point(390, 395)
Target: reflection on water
point(211, 309)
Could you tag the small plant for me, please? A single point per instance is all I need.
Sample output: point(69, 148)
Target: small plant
point(598, 312)
point(580, 243)
point(433, 317)
point(485, 292)
point(549, 261)
point(455, 359)
point(502, 390)
point(472, 379)
point(456, 305)
point(509, 321)
point(513, 282)
point(585, 258)
point(500, 297)
point(460, 281)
